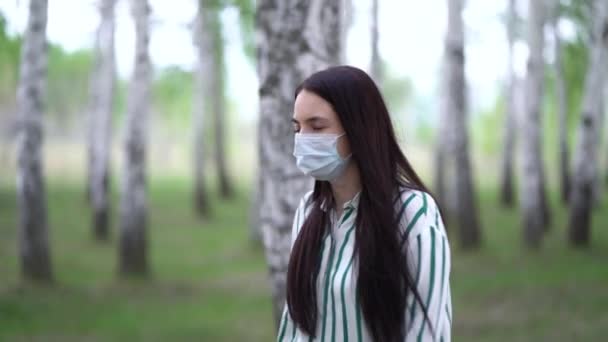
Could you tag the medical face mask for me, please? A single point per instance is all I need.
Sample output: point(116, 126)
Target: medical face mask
point(317, 155)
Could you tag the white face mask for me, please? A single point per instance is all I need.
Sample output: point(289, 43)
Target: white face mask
point(317, 155)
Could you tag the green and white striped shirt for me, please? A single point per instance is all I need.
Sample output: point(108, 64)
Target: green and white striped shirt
point(340, 317)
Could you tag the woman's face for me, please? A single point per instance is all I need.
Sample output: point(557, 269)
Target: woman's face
point(313, 115)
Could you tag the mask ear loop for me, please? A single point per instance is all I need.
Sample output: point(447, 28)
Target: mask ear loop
point(338, 153)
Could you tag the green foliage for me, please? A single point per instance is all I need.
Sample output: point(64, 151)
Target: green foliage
point(576, 60)
point(68, 84)
point(246, 10)
point(424, 132)
point(487, 128)
point(172, 92)
point(67, 76)
point(120, 101)
point(397, 90)
point(575, 52)
point(579, 12)
point(9, 63)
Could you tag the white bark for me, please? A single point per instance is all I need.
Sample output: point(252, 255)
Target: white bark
point(586, 152)
point(100, 120)
point(376, 61)
point(31, 194)
point(217, 96)
point(444, 164)
point(211, 51)
point(133, 208)
point(347, 20)
point(294, 39)
point(507, 182)
point(201, 106)
point(532, 196)
point(561, 95)
point(598, 187)
point(466, 214)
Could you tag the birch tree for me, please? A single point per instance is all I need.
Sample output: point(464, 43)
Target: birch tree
point(201, 106)
point(295, 39)
point(218, 98)
point(212, 51)
point(586, 152)
point(444, 163)
point(506, 182)
point(31, 194)
point(533, 200)
point(456, 109)
point(100, 120)
point(561, 95)
point(133, 206)
point(598, 187)
point(376, 61)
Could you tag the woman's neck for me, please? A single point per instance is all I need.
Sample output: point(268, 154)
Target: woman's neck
point(346, 187)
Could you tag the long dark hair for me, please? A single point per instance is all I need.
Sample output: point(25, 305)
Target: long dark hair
point(383, 282)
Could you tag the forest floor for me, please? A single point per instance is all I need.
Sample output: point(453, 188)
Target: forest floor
point(208, 282)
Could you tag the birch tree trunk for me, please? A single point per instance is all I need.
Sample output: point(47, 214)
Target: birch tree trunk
point(376, 61)
point(606, 144)
point(586, 153)
point(217, 93)
point(443, 163)
point(598, 187)
point(201, 106)
point(31, 194)
point(561, 95)
point(532, 197)
point(133, 208)
point(440, 159)
point(506, 183)
point(255, 229)
point(219, 112)
point(100, 121)
point(466, 214)
point(295, 39)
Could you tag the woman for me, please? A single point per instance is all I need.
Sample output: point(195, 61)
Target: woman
point(370, 258)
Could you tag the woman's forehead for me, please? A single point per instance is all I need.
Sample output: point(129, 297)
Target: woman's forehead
point(309, 104)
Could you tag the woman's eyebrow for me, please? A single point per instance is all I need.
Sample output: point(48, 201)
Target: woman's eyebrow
point(311, 119)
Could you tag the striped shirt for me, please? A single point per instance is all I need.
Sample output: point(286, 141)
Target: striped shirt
point(340, 317)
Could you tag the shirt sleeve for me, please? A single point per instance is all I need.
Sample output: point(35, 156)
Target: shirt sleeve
point(287, 329)
point(428, 254)
point(299, 217)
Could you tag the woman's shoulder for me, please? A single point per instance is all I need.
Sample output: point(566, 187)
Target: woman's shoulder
point(413, 200)
point(301, 213)
point(304, 207)
point(305, 201)
point(417, 212)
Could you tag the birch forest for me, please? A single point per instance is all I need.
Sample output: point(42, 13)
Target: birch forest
point(148, 184)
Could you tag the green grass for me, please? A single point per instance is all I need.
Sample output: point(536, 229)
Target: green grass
point(505, 292)
point(209, 283)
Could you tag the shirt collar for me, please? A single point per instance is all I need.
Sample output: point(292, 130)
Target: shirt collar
point(353, 203)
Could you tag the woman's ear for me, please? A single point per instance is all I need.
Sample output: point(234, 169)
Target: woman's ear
point(344, 146)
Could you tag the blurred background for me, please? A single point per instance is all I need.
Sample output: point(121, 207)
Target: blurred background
point(147, 185)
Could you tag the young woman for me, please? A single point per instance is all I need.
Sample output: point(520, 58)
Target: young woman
point(370, 258)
